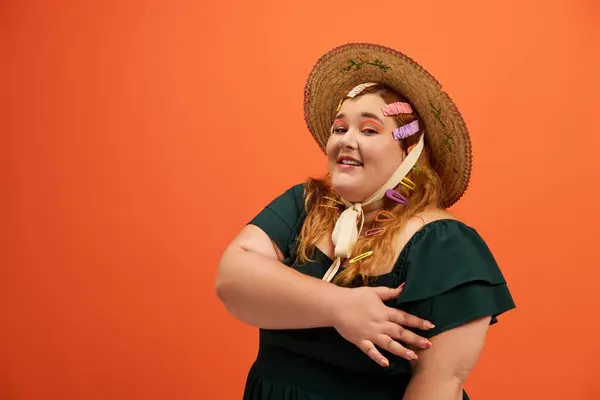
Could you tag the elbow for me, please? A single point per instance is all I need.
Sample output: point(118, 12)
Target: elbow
point(461, 375)
point(230, 294)
point(223, 283)
point(220, 288)
point(223, 291)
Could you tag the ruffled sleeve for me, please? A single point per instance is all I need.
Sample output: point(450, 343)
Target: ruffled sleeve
point(451, 277)
point(280, 217)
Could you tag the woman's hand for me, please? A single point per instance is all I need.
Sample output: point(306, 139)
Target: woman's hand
point(363, 319)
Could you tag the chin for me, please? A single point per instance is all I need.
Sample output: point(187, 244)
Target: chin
point(349, 191)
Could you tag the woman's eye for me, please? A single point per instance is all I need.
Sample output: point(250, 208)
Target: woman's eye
point(339, 130)
point(370, 131)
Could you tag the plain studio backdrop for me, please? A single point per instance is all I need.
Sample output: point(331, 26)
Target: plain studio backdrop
point(138, 137)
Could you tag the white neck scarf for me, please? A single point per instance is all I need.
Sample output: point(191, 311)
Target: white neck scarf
point(345, 233)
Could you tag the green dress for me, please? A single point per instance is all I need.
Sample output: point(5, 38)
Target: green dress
point(450, 278)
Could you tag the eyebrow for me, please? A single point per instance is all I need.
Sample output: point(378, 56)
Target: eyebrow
point(364, 115)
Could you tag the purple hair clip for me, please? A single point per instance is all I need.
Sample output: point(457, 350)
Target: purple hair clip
point(397, 197)
point(406, 130)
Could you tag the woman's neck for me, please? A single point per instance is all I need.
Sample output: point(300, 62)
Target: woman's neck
point(371, 212)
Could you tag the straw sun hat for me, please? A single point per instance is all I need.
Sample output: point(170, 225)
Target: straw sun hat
point(342, 68)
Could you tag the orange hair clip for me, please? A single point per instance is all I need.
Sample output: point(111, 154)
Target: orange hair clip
point(384, 216)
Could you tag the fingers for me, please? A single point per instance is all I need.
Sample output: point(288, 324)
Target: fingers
point(407, 337)
point(369, 349)
point(404, 319)
point(389, 344)
point(386, 293)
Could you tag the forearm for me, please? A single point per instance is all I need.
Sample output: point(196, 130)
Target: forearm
point(265, 293)
point(426, 386)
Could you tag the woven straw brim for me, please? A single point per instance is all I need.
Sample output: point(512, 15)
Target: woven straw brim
point(446, 135)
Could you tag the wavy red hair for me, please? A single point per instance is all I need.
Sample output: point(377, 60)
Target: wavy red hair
point(320, 220)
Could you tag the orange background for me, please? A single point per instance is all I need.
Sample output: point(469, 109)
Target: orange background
point(139, 137)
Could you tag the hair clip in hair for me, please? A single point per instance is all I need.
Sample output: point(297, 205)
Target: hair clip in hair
point(361, 257)
point(397, 197)
point(374, 231)
point(339, 106)
point(359, 89)
point(408, 183)
point(406, 130)
point(332, 199)
point(396, 108)
point(384, 216)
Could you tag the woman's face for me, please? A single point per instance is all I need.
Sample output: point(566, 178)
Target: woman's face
point(362, 152)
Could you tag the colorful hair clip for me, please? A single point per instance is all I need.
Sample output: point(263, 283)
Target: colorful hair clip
point(384, 216)
point(361, 257)
point(397, 108)
point(332, 199)
point(359, 88)
point(392, 194)
point(408, 183)
point(406, 130)
point(339, 106)
point(374, 231)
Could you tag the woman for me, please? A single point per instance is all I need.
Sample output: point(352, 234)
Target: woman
point(366, 265)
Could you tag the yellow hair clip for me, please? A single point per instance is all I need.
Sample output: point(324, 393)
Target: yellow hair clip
point(361, 257)
point(332, 199)
point(408, 183)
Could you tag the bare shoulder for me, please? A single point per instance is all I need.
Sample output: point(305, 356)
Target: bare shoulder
point(434, 214)
point(416, 223)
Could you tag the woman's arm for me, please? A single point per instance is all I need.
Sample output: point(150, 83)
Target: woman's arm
point(440, 371)
point(259, 290)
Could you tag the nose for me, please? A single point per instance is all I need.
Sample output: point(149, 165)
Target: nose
point(349, 139)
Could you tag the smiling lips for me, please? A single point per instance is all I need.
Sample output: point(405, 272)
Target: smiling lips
point(349, 161)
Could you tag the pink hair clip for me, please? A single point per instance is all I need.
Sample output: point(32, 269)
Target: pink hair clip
point(406, 130)
point(359, 88)
point(397, 108)
point(374, 231)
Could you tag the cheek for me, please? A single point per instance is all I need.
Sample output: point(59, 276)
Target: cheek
point(383, 160)
point(332, 146)
point(381, 149)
